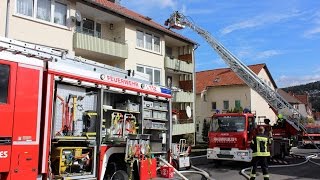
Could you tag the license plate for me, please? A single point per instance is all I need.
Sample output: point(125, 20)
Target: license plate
point(224, 152)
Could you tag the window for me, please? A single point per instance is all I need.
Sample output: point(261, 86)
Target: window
point(237, 104)
point(154, 74)
point(25, 7)
point(168, 51)
point(60, 14)
point(214, 105)
point(156, 44)
point(89, 27)
point(46, 10)
point(148, 41)
point(226, 105)
point(140, 39)
point(4, 82)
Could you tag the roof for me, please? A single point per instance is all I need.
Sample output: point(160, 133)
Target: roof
point(303, 98)
point(288, 97)
point(225, 77)
point(118, 9)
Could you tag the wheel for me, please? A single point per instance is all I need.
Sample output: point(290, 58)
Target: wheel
point(120, 175)
point(189, 167)
point(175, 164)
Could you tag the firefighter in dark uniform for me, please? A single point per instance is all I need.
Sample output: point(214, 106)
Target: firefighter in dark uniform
point(260, 152)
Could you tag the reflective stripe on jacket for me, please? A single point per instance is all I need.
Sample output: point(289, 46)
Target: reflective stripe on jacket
point(260, 146)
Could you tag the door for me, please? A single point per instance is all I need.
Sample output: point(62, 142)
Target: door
point(7, 97)
point(8, 72)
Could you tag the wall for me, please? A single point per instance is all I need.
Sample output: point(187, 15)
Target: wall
point(141, 56)
point(32, 30)
point(3, 9)
point(258, 104)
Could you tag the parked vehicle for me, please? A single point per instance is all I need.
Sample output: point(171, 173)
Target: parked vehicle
point(64, 117)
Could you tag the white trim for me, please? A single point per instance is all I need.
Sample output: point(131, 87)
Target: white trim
point(51, 22)
point(30, 66)
point(25, 143)
point(45, 133)
point(18, 58)
point(153, 68)
point(106, 156)
point(39, 105)
point(152, 42)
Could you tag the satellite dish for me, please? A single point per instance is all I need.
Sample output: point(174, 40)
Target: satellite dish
point(78, 16)
point(188, 110)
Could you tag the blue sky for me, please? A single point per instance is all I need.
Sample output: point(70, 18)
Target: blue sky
point(283, 34)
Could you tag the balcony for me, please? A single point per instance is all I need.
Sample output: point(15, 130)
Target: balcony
point(186, 85)
point(88, 42)
point(178, 129)
point(181, 97)
point(178, 65)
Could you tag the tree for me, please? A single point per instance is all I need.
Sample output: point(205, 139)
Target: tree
point(205, 130)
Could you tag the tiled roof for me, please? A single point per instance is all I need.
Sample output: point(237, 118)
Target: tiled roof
point(224, 77)
point(288, 97)
point(116, 8)
point(303, 98)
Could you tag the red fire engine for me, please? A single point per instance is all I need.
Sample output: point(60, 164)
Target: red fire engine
point(230, 135)
point(313, 131)
point(64, 117)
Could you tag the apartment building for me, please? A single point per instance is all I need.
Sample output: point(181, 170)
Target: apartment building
point(106, 32)
point(222, 90)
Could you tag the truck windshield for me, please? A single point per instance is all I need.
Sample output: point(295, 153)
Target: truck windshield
point(228, 124)
point(313, 130)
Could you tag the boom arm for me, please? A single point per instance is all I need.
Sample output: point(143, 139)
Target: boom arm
point(179, 21)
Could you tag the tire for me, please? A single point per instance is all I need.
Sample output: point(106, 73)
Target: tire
point(175, 164)
point(120, 175)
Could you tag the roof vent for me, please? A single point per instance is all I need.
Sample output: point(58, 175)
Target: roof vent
point(148, 18)
point(217, 80)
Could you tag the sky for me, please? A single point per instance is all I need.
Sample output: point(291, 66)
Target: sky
point(283, 34)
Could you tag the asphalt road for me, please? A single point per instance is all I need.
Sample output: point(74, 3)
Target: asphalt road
point(229, 170)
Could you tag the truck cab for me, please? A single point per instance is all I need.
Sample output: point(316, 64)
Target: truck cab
point(230, 135)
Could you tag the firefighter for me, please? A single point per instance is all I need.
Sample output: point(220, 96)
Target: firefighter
point(260, 153)
point(280, 121)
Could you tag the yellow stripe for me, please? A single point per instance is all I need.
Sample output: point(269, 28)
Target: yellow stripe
point(267, 175)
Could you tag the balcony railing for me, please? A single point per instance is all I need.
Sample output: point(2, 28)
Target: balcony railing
point(178, 65)
point(186, 85)
point(186, 57)
point(95, 44)
point(183, 96)
point(186, 128)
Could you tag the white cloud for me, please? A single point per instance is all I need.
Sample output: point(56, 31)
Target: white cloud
point(260, 20)
point(285, 81)
point(268, 53)
point(312, 32)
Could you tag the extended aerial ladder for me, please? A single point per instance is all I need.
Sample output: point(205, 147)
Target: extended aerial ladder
point(279, 104)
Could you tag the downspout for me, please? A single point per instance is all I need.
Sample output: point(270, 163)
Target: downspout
point(194, 93)
point(7, 19)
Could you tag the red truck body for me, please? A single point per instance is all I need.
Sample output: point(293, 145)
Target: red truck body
point(313, 131)
point(229, 137)
point(29, 87)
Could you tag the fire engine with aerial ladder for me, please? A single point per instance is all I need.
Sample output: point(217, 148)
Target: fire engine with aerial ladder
point(230, 134)
point(66, 117)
